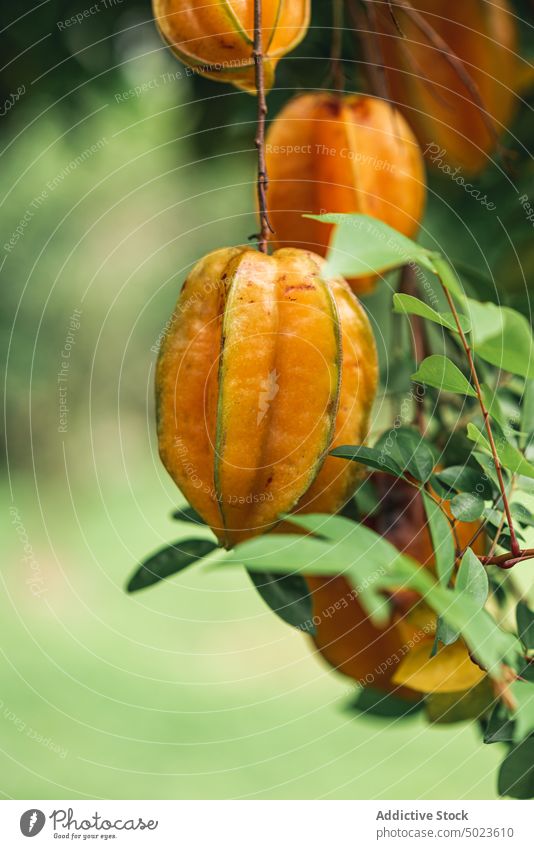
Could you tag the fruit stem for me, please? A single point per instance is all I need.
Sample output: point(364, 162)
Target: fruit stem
point(259, 141)
point(338, 75)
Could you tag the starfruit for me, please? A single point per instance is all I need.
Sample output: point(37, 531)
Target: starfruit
point(265, 366)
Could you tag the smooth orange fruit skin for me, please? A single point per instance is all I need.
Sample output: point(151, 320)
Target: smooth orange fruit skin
point(264, 367)
point(346, 637)
point(215, 37)
point(332, 153)
point(438, 105)
point(337, 480)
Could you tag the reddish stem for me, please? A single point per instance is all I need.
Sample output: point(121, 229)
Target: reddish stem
point(516, 548)
point(506, 561)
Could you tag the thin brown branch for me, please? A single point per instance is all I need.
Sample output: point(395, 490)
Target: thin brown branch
point(494, 544)
point(437, 501)
point(516, 548)
point(500, 528)
point(507, 560)
point(262, 181)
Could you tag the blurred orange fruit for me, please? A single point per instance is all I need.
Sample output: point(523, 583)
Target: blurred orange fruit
point(437, 102)
point(332, 153)
point(372, 655)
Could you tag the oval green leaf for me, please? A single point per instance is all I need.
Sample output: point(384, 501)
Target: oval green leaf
point(169, 561)
point(287, 596)
point(467, 507)
point(441, 373)
point(363, 245)
point(409, 305)
point(372, 457)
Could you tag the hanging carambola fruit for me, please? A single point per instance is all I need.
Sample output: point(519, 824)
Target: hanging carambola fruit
point(266, 365)
point(452, 124)
point(331, 153)
point(393, 658)
point(216, 39)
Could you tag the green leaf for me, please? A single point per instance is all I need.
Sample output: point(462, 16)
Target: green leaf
point(441, 373)
point(491, 400)
point(488, 467)
point(447, 275)
point(467, 507)
point(525, 670)
point(188, 514)
point(352, 550)
point(395, 374)
point(409, 305)
point(493, 523)
point(442, 539)
point(472, 579)
point(444, 634)
point(439, 489)
point(525, 625)
point(487, 642)
point(523, 692)
point(521, 514)
point(527, 409)
point(487, 319)
point(516, 775)
point(366, 499)
point(499, 728)
point(411, 452)
point(338, 529)
point(274, 553)
point(287, 596)
point(374, 703)
point(510, 457)
point(508, 346)
point(447, 708)
point(465, 479)
point(371, 457)
point(168, 561)
point(375, 556)
point(363, 245)
point(372, 565)
point(475, 435)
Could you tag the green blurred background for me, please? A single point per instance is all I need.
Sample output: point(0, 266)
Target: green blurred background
point(192, 689)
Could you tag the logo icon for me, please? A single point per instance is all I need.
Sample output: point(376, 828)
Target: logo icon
point(269, 391)
point(32, 822)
